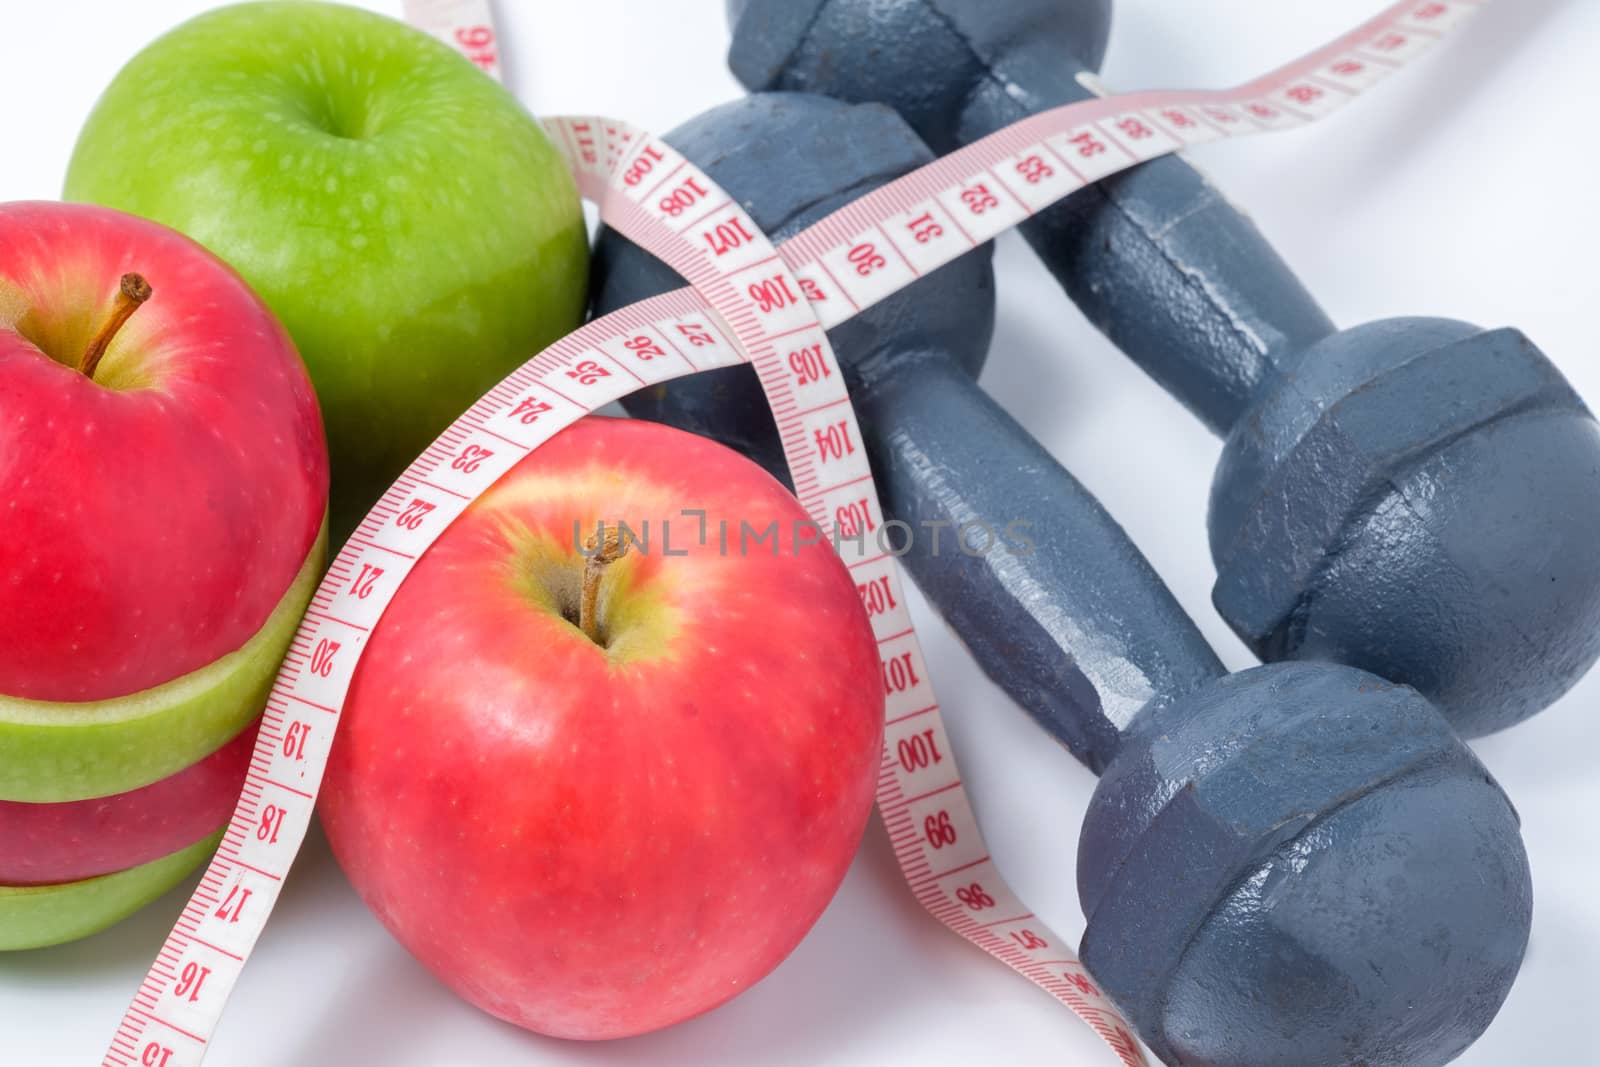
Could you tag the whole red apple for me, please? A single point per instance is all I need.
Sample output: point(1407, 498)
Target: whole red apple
point(597, 816)
point(163, 489)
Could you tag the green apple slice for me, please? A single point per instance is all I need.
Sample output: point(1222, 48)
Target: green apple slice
point(51, 752)
point(34, 916)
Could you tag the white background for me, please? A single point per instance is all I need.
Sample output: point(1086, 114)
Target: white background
point(1463, 188)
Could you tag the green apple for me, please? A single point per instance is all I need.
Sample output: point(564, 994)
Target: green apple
point(402, 214)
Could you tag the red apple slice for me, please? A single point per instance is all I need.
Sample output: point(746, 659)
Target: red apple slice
point(40, 915)
point(45, 843)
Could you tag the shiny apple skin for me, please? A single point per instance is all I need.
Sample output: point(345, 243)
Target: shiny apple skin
point(41, 844)
point(156, 515)
point(596, 843)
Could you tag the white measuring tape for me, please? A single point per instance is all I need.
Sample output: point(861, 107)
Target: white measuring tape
point(748, 302)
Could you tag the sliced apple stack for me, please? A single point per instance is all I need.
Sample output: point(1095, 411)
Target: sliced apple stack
point(163, 499)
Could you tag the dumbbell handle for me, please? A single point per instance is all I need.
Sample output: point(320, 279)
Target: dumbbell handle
point(1077, 628)
point(1159, 260)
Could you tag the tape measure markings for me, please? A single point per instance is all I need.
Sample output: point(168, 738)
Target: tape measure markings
point(465, 25)
point(732, 313)
point(185, 990)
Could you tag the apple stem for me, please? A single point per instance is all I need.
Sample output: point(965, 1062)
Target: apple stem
point(604, 549)
point(133, 291)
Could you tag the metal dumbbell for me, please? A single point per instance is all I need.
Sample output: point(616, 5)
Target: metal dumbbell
point(1299, 863)
point(1416, 497)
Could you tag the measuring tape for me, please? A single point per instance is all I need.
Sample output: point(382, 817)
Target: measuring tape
point(748, 302)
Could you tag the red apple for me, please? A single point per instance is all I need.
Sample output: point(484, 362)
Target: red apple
point(164, 481)
point(164, 487)
point(598, 836)
point(42, 844)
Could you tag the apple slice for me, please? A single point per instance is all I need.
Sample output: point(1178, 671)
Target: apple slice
point(41, 844)
point(55, 752)
point(40, 915)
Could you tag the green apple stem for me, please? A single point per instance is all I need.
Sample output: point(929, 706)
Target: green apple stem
point(131, 295)
point(602, 555)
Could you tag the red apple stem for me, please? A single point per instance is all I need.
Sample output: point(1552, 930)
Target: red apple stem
point(602, 553)
point(133, 291)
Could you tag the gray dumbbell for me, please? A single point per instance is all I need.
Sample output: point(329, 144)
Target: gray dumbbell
point(1299, 863)
point(1416, 497)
